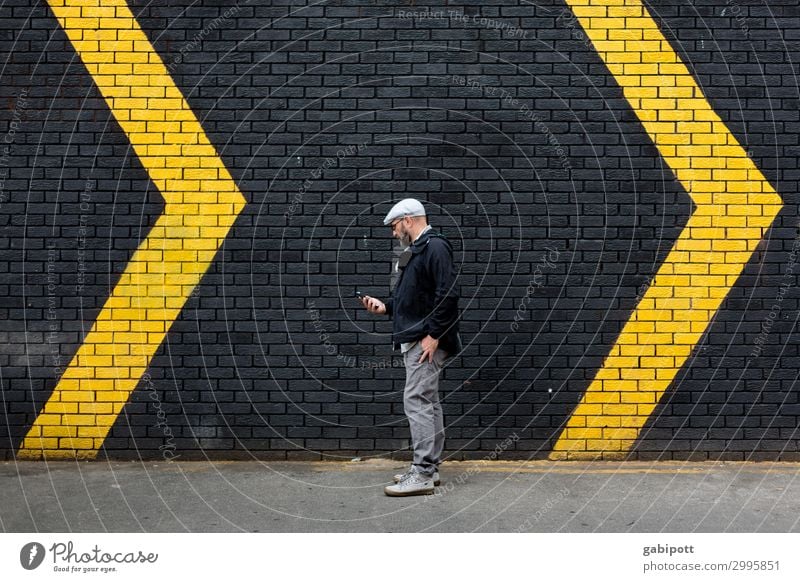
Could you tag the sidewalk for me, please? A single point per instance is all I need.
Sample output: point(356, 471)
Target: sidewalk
point(540, 496)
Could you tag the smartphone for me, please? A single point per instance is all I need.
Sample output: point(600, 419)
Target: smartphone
point(359, 294)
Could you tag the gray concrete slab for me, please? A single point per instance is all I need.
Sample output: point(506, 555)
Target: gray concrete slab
point(539, 496)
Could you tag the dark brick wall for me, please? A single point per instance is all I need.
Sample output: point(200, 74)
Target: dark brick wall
point(325, 115)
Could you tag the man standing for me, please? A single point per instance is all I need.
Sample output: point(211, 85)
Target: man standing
point(424, 310)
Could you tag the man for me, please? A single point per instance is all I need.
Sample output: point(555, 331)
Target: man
point(424, 310)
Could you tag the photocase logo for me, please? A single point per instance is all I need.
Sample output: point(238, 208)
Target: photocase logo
point(31, 555)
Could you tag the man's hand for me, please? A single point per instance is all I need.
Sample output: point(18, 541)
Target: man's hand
point(373, 305)
point(429, 346)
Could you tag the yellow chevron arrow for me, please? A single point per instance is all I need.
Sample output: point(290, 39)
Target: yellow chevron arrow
point(734, 206)
point(201, 204)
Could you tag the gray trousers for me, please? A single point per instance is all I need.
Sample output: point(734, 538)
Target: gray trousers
point(422, 407)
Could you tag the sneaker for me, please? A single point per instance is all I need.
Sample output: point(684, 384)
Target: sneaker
point(399, 476)
point(412, 483)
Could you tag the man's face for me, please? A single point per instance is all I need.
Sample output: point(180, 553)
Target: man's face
point(400, 231)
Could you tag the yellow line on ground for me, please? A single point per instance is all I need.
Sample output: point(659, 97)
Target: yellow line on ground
point(454, 468)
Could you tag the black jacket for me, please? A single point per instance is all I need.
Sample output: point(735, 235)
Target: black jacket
point(425, 299)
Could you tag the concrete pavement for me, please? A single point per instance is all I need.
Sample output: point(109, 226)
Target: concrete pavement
point(499, 496)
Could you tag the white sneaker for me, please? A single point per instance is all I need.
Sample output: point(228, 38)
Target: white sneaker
point(436, 481)
point(412, 483)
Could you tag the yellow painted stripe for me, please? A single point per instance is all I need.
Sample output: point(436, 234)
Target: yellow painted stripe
point(456, 468)
point(734, 206)
point(201, 203)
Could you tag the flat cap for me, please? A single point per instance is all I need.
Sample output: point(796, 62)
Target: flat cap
point(406, 207)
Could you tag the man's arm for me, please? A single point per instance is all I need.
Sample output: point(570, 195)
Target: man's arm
point(445, 305)
point(445, 308)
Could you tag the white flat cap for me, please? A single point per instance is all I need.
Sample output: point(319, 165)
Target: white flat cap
point(406, 207)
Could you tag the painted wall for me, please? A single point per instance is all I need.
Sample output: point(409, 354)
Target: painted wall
point(191, 195)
